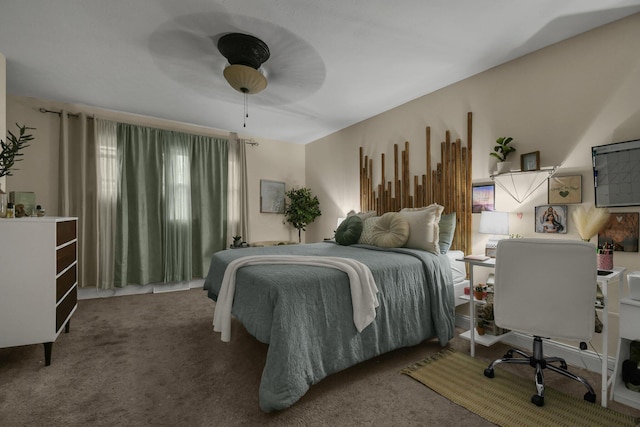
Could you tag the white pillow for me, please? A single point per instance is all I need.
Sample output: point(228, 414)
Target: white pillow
point(424, 231)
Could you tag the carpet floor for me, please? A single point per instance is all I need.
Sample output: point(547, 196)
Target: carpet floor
point(153, 359)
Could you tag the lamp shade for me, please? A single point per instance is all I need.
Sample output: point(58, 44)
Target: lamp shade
point(245, 79)
point(494, 222)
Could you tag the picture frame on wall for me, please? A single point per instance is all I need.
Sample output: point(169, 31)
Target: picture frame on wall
point(565, 189)
point(530, 161)
point(483, 197)
point(620, 232)
point(271, 196)
point(551, 219)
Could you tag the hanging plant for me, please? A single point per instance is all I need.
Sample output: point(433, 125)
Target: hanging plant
point(302, 210)
point(10, 150)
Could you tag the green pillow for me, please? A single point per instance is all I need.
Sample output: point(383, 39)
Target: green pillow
point(447, 226)
point(349, 231)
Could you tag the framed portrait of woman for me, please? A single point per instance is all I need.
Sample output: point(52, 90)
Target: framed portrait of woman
point(551, 219)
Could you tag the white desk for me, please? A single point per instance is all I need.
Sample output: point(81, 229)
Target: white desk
point(470, 334)
point(604, 281)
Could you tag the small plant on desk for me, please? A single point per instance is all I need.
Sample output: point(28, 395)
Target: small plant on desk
point(480, 326)
point(478, 291)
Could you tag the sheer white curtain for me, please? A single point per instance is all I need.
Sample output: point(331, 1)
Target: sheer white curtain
point(238, 199)
point(107, 139)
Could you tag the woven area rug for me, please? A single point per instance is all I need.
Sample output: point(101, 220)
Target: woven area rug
point(506, 399)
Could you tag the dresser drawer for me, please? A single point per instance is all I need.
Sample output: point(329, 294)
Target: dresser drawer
point(66, 307)
point(65, 257)
point(66, 281)
point(65, 232)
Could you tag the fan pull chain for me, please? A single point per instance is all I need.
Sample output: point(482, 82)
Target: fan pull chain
point(246, 108)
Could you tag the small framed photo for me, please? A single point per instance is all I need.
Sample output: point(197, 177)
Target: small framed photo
point(530, 161)
point(551, 219)
point(565, 189)
point(482, 197)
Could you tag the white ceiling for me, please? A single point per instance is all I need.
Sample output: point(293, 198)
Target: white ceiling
point(333, 62)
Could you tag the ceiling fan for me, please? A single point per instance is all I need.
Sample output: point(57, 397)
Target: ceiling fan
point(197, 50)
point(245, 54)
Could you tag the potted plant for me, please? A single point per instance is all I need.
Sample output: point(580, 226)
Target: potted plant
point(302, 210)
point(501, 151)
point(480, 326)
point(478, 291)
point(236, 240)
point(10, 150)
point(9, 154)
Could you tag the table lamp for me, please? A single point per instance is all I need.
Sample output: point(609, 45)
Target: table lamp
point(497, 224)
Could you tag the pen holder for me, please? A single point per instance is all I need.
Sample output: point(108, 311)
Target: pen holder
point(605, 261)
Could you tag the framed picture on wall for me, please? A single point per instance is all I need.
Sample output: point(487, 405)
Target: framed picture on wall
point(483, 197)
point(565, 189)
point(621, 232)
point(551, 219)
point(271, 196)
point(530, 161)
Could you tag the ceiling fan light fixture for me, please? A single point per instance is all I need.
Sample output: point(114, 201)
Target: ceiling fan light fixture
point(245, 79)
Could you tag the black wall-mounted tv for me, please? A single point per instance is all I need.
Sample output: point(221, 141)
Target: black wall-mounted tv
point(616, 173)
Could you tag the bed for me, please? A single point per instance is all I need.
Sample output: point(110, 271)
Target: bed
point(305, 313)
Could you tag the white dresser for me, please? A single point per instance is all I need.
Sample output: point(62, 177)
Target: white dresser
point(38, 280)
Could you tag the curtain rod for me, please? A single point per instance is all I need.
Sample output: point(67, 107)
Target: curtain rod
point(43, 110)
point(251, 142)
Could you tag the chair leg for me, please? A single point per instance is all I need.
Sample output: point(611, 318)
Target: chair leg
point(590, 396)
point(538, 398)
point(518, 351)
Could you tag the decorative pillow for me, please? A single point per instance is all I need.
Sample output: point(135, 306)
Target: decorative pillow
point(423, 227)
point(349, 231)
point(366, 238)
point(390, 231)
point(447, 227)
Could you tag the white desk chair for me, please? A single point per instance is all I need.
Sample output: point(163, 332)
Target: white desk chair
point(545, 288)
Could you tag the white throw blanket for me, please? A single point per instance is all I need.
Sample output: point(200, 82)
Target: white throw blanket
point(363, 287)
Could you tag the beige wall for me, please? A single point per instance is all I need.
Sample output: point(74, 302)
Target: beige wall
point(3, 108)
point(38, 171)
point(561, 100)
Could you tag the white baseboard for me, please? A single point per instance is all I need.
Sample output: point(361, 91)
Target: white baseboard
point(156, 288)
point(587, 359)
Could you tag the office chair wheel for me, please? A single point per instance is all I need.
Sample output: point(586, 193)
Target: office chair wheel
point(489, 373)
point(590, 397)
point(538, 400)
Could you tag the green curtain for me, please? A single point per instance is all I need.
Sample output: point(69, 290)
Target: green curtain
point(171, 205)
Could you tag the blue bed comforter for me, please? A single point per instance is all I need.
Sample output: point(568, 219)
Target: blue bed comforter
point(304, 313)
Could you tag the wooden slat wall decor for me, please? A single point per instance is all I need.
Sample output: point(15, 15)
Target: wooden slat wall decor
point(448, 185)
